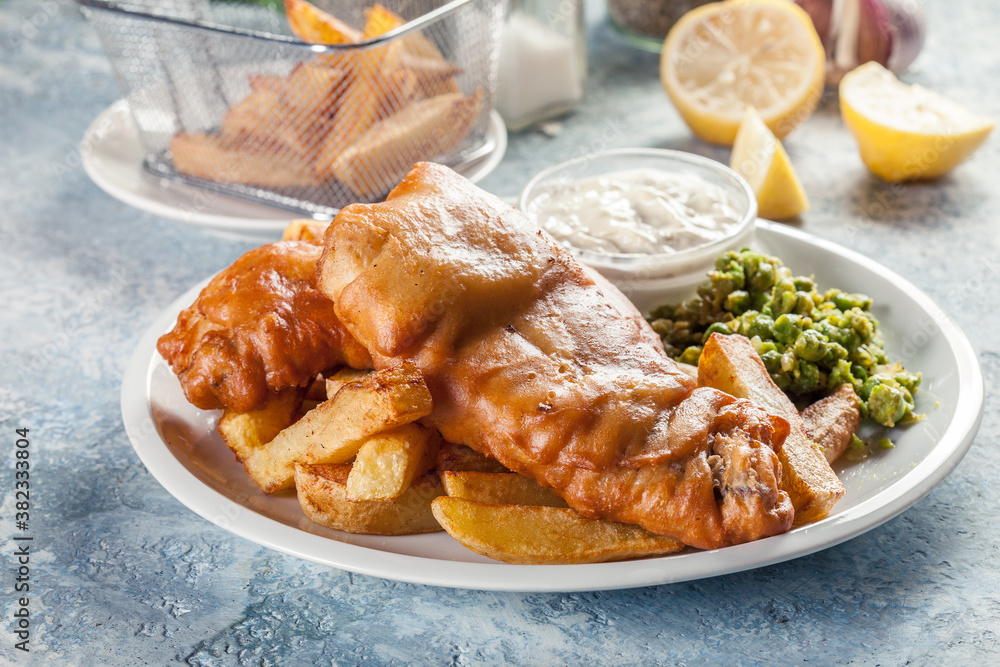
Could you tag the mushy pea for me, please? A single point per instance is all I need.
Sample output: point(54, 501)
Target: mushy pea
point(811, 342)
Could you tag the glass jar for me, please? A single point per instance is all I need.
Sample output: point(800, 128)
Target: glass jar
point(543, 62)
point(645, 23)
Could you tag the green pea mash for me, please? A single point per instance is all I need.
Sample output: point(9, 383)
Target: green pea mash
point(811, 342)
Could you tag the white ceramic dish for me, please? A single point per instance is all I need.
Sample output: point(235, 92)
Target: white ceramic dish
point(112, 156)
point(179, 446)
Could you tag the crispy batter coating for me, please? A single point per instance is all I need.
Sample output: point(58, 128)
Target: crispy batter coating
point(259, 326)
point(532, 363)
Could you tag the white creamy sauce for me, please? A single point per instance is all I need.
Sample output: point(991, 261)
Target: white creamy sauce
point(637, 211)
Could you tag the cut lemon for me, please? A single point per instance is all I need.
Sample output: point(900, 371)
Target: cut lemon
point(907, 132)
point(759, 157)
point(724, 56)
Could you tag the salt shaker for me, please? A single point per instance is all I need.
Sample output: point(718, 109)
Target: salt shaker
point(543, 61)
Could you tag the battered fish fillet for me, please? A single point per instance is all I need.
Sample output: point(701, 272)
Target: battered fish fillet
point(531, 363)
point(259, 326)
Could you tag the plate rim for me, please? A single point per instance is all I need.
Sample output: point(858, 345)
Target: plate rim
point(243, 521)
point(118, 117)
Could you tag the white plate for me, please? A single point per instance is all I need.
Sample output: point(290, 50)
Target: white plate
point(112, 156)
point(179, 446)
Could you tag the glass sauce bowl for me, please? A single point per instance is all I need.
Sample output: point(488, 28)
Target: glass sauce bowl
point(643, 276)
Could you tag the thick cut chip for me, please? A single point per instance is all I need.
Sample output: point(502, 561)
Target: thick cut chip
point(257, 124)
point(832, 421)
point(247, 432)
point(388, 462)
point(380, 20)
point(344, 376)
point(501, 488)
point(459, 457)
point(322, 493)
point(370, 95)
point(293, 109)
point(311, 24)
point(731, 364)
point(382, 156)
point(419, 78)
point(215, 158)
point(316, 391)
point(304, 229)
point(544, 535)
point(335, 430)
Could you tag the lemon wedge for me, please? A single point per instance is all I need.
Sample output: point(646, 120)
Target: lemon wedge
point(759, 157)
point(724, 56)
point(906, 132)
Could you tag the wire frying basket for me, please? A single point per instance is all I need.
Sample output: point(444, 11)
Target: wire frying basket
point(226, 97)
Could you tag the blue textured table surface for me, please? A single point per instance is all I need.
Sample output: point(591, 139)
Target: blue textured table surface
point(122, 573)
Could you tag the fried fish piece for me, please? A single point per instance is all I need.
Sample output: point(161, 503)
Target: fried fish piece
point(258, 327)
point(530, 363)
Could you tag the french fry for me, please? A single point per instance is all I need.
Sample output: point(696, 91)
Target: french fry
point(322, 493)
point(287, 113)
point(247, 432)
point(380, 20)
point(689, 369)
point(334, 431)
point(260, 121)
point(388, 462)
point(731, 364)
point(314, 26)
point(461, 458)
point(544, 535)
point(378, 160)
point(315, 392)
point(306, 124)
point(342, 377)
point(310, 91)
point(264, 81)
point(212, 158)
point(304, 229)
point(503, 488)
point(419, 78)
point(368, 98)
point(313, 88)
point(433, 88)
point(832, 421)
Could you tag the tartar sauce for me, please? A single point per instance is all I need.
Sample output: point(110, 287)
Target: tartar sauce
point(637, 211)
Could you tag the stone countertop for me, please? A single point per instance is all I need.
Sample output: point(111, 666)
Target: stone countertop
point(122, 573)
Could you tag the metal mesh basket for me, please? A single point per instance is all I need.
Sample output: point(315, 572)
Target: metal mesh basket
point(224, 96)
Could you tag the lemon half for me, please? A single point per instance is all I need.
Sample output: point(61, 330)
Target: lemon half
point(906, 132)
point(724, 56)
point(759, 157)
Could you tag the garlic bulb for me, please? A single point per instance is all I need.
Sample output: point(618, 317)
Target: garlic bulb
point(890, 32)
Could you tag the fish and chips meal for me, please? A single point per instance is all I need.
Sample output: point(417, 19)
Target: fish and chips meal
point(436, 361)
point(361, 117)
